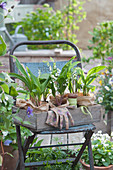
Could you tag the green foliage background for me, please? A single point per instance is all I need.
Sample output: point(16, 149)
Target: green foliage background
point(47, 24)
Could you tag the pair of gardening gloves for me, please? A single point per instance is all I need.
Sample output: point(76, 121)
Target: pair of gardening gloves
point(57, 115)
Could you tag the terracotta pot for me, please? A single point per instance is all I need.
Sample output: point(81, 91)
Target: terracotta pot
point(10, 162)
point(87, 167)
point(72, 95)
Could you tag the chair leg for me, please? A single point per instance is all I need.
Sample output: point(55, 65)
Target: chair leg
point(51, 139)
point(88, 137)
point(20, 163)
point(90, 156)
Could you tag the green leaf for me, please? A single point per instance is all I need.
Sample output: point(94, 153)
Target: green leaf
point(87, 112)
point(26, 122)
point(21, 69)
point(95, 70)
point(2, 76)
point(90, 79)
point(23, 91)
point(2, 46)
point(7, 153)
point(1, 159)
point(39, 143)
point(18, 118)
point(35, 80)
point(20, 77)
point(13, 91)
point(5, 88)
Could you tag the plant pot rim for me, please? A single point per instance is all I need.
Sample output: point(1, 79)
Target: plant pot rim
point(99, 167)
point(72, 95)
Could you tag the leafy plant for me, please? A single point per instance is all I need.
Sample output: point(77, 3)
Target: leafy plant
point(101, 44)
point(83, 82)
point(33, 86)
point(105, 91)
point(47, 154)
point(46, 24)
point(101, 149)
point(7, 92)
point(102, 40)
point(60, 79)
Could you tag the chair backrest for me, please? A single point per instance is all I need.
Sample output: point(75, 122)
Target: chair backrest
point(34, 67)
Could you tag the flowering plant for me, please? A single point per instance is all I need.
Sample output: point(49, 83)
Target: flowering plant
point(102, 149)
point(105, 92)
point(7, 92)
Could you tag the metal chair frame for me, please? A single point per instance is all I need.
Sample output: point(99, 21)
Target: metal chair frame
point(87, 129)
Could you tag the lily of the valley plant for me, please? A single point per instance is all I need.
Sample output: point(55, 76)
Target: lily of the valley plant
point(84, 81)
point(34, 87)
point(61, 79)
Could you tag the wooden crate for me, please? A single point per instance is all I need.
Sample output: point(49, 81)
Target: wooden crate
point(37, 121)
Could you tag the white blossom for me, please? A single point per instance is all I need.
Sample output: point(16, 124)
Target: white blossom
point(100, 99)
point(111, 81)
point(103, 160)
point(96, 161)
point(107, 88)
point(5, 133)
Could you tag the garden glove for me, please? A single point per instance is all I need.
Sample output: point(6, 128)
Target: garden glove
point(57, 115)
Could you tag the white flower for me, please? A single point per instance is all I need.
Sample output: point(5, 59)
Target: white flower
point(111, 81)
point(100, 99)
point(103, 160)
point(109, 153)
point(6, 97)
point(96, 161)
point(107, 88)
point(52, 76)
point(5, 133)
point(14, 141)
point(112, 134)
point(106, 145)
point(100, 132)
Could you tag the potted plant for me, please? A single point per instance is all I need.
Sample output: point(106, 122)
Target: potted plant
point(83, 84)
point(33, 87)
point(60, 80)
point(56, 82)
point(104, 95)
point(102, 152)
point(7, 128)
point(8, 138)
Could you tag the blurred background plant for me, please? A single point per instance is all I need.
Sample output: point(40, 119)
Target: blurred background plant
point(7, 92)
point(101, 46)
point(47, 154)
point(102, 40)
point(105, 90)
point(101, 149)
point(47, 24)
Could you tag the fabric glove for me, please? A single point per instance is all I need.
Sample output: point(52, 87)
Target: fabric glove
point(56, 115)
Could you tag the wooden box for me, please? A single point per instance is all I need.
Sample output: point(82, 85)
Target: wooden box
point(37, 121)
